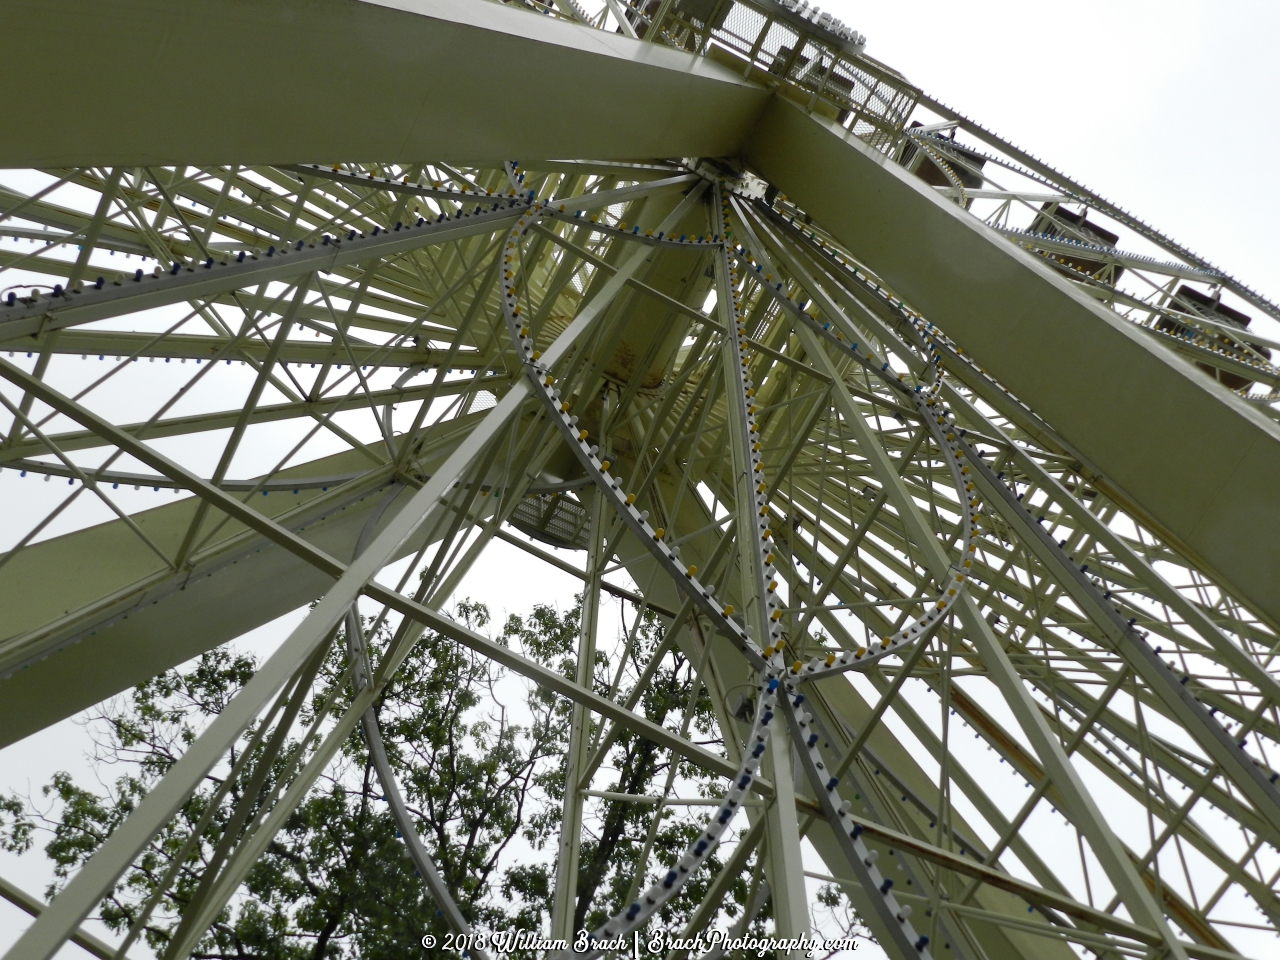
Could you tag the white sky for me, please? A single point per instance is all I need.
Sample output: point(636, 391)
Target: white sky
point(1166, 108)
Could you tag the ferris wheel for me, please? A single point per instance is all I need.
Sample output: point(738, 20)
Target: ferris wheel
point(944, 475)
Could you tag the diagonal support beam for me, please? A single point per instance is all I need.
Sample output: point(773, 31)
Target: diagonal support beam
point(1253, 780)
point(1134, 414)
point(200, 282)
point(1084, 810)
point(436, 66)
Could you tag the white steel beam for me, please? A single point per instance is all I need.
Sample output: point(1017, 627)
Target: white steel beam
point(564, 899)
point(145, 292)
point(378, 81)
point(784, 863)
point(1077, 799)
point(1180, 451)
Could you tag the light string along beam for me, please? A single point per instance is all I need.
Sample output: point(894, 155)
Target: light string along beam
point(537, 369)
point(937, 419)
point(539, 374)
point(1019, 497)
point(895, 917)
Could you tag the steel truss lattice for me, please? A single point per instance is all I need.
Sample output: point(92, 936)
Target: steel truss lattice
point(687, 375)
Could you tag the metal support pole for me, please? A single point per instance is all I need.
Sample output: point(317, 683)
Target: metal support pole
point(102, 870)
point(1084, 811)
point(566, 885)
point(784, 864)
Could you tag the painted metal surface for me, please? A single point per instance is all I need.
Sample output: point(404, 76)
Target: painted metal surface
point(852, 437)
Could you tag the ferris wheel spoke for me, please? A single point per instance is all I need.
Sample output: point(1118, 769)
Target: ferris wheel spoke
point(920, 945)
point(1001, 670)
point(1066, 591)
point(1142, 658)
point(889, 919)
point(1160, 589)
point(212, 895)
point(105, 866)
point(978, 794)
point(1098, 721)
point(256, 799)
point(1133, 780)
point(1081, 809)
point(242, 421)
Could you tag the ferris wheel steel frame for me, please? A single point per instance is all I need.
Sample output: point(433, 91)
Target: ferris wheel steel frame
point(901, 396)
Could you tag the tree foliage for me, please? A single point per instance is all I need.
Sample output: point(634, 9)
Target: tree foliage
point(480, 756)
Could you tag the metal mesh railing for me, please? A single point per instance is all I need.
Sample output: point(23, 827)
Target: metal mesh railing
point(553, 518)
point(815, 69)
point(822, 71)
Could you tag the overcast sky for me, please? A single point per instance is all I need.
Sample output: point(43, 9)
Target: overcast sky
point(1167, 108)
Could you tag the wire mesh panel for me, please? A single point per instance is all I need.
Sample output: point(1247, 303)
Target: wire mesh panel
point(553, 518)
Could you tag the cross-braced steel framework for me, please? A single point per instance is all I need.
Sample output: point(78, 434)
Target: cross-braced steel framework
point(890, 422)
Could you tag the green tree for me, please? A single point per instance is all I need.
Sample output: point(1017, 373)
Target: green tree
point(480, 758)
